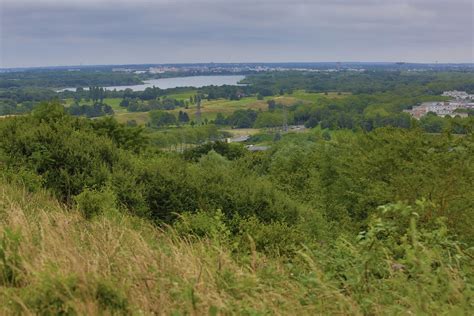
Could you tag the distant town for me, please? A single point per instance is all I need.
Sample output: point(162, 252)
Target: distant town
point(460, 104)
point(233, 68)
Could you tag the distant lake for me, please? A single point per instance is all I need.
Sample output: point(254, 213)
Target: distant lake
point(167, 83)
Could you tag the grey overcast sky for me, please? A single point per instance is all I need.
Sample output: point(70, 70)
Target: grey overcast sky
point(72, 32)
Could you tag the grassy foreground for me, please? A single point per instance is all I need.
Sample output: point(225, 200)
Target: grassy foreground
point(54, 261)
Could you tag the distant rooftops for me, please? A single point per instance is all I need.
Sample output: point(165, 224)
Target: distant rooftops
point(461, 100)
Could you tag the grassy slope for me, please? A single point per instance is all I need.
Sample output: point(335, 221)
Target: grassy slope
point(53, 260)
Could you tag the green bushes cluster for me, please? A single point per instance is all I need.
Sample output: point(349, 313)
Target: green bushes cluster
point(91, 162)
point(341, 179)
point(401, 264)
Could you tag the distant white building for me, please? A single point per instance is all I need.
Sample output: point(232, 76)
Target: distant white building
point(122, 70)
point(458, 95)
point(155, 70)
point(160, 70)
point(440, 109)
point(461, 100)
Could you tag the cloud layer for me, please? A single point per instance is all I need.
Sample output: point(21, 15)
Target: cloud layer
point(53, 32)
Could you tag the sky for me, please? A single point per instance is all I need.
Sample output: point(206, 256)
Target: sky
point(88, 32)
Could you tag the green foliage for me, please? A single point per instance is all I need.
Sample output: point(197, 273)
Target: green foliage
point(93, 203)
point(242, 118)
point(10, 258)
point(302, 219)
point(127, 137)
point(65, 78)
point(111, 299)
point(400, 266)
point(369, 81)
point(53, 145)
point(24, 177)
point(271, 119)
point(229, 151)
point(432, 123)
point(179, 138)
point(54, 295)
point(96, 110)
point(204, 224)
point(49, 112)
point(17, 100)
point(162, 118)
point(277, 238)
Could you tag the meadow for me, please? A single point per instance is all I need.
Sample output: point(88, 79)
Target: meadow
point(210, 108)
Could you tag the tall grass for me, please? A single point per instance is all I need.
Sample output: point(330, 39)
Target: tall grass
point(54, 261)
point(59, 262)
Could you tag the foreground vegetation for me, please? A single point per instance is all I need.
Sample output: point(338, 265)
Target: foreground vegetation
point(95, 218)
point(54, 261)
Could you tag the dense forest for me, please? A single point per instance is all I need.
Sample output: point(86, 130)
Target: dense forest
point(375, 221)
point(65, 78)
point(429, 82)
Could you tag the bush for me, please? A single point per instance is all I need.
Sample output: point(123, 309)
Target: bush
point(92, 202)
point(63, 151)
point(53, 295)
point(110, 298)
point(275, 238)
point(398, 264)
point(229, 151)
point(11, 269)
point(203, 224)
point(24, 177)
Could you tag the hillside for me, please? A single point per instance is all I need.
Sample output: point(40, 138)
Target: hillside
point(95, 219)
point(55, 261)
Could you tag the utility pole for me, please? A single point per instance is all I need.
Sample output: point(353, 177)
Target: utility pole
point(198, 110)
point(285, 119)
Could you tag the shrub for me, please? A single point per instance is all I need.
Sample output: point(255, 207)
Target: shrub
point(10, 259)
point(401, 266)
point(275, 238)
point(92, 202)
point(110, 298)
point(53, 295)
point(24, 177)
point(203, 224)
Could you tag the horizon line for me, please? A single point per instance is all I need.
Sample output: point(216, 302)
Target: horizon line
point(237, 63)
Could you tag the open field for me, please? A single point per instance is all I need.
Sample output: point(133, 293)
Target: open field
point(140, 117)
point(182, 96)
point(242, 131)
point(314, 97)
point(209, 109)
point(113, 102)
